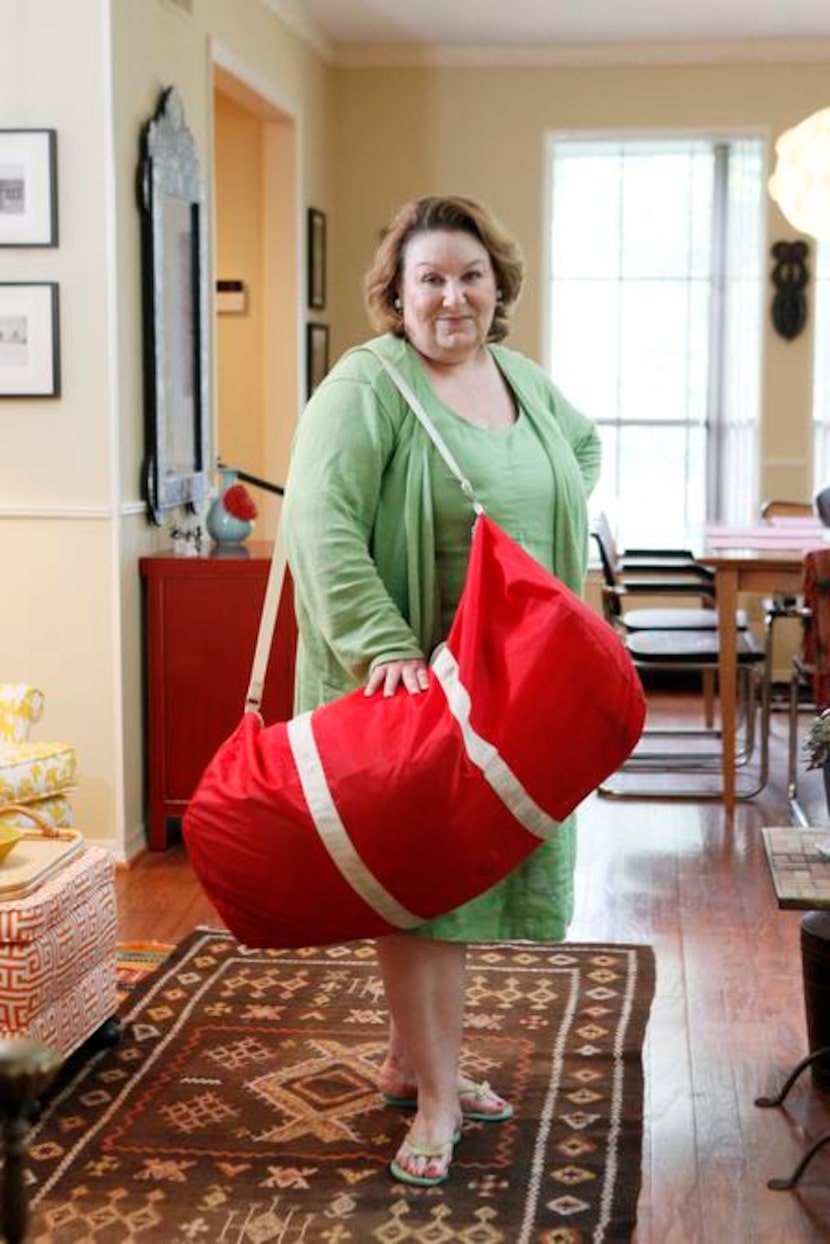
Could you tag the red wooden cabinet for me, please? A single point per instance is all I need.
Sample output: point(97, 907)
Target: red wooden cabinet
point(201, 616)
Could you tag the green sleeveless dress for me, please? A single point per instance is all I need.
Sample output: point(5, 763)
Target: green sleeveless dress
point(513, 480)
point(378, 532)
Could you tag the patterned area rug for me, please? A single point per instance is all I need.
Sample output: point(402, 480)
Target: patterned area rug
point(240, 1105)
point(135, 961)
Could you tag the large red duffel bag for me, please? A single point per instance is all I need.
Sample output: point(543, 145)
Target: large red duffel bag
point(370, 815)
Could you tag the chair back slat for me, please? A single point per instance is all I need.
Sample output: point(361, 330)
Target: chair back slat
point(817, 622)
point(608, 555)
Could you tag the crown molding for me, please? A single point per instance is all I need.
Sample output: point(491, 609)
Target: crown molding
point(573, 55)
point(290, 12)
point(545, 55)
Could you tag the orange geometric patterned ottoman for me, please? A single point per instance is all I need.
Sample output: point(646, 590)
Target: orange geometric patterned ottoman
point(58, 954)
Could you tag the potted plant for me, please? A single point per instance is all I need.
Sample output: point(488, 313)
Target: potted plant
point(817, 748)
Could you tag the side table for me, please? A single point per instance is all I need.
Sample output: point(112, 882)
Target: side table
point(800, 872)
point(58, 943)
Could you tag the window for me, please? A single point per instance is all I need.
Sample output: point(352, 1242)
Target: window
point(821, 368)
point(656, 285)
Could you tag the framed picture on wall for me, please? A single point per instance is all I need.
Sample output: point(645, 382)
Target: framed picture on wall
point(28, 188)
point(316, 259)
point(317, 355)
point(29, 340)
point(231, 297)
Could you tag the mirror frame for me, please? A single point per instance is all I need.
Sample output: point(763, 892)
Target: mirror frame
point(177, 466)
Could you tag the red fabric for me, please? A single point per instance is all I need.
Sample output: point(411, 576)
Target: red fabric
point(817, 626)
point(552, 688)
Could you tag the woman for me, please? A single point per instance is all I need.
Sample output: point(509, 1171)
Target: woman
point(378, 533)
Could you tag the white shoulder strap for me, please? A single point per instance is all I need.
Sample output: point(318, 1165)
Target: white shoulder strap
point(276, 576)
point(267, 623)
point(429, 427)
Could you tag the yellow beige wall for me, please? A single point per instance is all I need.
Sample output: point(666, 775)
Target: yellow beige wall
point(482, 132)
point(259, 222)
point(240, 343)
point(58, 479)
point(284, 373)
point(71, 523)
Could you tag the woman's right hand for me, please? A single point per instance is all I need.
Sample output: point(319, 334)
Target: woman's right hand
point(389, 675)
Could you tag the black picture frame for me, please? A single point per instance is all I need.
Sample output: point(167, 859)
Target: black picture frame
point(316, 259)
point(30, 360)
point(317, 355)
point(28, 187)
point(176, 286)
point(231, 297)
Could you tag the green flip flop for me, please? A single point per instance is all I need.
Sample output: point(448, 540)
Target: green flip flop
point(441, 1152)
point(400, 1103)
point(472, 1093)
point(470, 1097)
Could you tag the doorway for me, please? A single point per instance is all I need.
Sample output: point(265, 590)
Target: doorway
point(257, 300)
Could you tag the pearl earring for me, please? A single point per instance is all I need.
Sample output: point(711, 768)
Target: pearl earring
point(499, 296)
point(398, 305)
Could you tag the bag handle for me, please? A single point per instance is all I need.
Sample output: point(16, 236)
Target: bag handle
point(276, 575)
point(267, 623)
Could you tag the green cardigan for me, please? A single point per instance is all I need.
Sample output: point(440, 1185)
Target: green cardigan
point(357, 514)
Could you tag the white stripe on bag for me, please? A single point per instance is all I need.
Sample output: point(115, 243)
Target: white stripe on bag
point(332, 831)
point(496, 772)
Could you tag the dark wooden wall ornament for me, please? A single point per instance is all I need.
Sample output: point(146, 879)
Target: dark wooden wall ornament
point(789, 276)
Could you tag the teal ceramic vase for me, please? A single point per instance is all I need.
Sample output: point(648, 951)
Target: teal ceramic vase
point(224, 527)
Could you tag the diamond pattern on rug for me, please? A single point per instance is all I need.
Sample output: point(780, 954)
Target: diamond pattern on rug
point(321, 1095)
point(241, 1105)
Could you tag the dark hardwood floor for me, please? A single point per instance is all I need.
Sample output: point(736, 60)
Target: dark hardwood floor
point(728, 1017)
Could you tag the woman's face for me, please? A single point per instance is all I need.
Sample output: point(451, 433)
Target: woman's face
point(448, 291)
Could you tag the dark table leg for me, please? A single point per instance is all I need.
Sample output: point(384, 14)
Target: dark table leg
point(26, 1068)
point(790, 1181)
point(778, 1098)
point(815, 961)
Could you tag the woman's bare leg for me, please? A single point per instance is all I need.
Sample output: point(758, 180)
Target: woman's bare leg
point(397, 1075)
point(424, 984)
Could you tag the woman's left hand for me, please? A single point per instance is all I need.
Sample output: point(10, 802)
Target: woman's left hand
point(390, 674)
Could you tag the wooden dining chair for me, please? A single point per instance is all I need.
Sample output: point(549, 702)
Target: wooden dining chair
point(822, 504)
point(810, 666)
point(782, 607)
point(662, 573)
point(681, 638)
point(776, 507)
point(669, 751)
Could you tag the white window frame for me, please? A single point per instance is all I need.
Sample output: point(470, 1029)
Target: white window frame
point(759, 133)
point(819, 267)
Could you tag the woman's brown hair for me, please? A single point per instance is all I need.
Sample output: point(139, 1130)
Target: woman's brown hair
point(382, 281)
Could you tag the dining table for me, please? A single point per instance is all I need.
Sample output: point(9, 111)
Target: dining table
point(766, 558)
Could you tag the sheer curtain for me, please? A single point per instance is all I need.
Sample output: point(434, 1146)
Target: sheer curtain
point(745, 271)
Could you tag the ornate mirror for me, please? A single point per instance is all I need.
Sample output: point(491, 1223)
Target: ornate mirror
point(174, 253)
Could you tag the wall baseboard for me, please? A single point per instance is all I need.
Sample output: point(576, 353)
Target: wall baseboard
point(135, 845)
